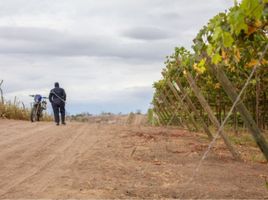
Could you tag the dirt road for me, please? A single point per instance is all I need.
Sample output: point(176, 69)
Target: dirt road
point(81, 160)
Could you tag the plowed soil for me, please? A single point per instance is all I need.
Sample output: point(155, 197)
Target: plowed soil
point(82, 160)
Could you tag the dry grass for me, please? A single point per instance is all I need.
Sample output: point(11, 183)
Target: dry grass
point(17, 111)
point(11, 111)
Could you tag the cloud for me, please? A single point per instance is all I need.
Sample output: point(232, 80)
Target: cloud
point(30, 34)
point(147, 33)
point(114, 81)
point(106, 54)
point(40, 41)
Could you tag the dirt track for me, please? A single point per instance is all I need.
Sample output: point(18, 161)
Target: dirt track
point(40, 160)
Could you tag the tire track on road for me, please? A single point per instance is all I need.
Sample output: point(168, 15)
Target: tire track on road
point(23, 174)
point(18, 136)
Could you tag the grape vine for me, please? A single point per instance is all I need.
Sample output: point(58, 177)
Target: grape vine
point(232, 42)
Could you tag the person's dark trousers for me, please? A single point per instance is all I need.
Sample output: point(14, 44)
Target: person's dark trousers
point(62, 113)
point(59, 109)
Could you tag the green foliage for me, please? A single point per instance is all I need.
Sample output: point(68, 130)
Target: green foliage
point(201, 68)
point(236, 19)
point(216, 58)
point(252, 8)
point(227, 39)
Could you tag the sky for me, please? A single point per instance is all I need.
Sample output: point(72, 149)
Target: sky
point(106, 54)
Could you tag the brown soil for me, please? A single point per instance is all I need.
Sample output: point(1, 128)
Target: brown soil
point(82, 160)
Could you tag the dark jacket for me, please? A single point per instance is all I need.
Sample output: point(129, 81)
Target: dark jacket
point(57, 96)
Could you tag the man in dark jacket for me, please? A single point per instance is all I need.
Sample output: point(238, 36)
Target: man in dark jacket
point(57, 98)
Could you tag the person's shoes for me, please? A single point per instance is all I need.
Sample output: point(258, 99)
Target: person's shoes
point(63, 123)
point(57, 124)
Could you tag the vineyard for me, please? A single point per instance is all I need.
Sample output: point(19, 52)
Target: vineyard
point(222, 82)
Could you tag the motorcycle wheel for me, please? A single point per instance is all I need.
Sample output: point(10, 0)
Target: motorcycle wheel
point(34, 114)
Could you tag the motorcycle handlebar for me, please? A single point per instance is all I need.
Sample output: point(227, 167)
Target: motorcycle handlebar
point(32, 95)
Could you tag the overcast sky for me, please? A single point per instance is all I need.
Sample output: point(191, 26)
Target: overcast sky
point(106, 54)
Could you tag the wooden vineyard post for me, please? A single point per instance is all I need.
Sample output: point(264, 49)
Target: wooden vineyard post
point(183, 106)
point(162, 110)
point(159, 118)
point(258, 89)
point(176, 109)
point(193, 108)
point(158, 113)
point(164, 115)
point(241, 108)
point(161, 115)
point(212, 117)
point(171, 111)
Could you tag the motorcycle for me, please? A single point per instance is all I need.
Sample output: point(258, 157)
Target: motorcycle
point(39, 105)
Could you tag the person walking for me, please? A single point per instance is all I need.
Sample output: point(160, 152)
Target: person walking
point(57, 98)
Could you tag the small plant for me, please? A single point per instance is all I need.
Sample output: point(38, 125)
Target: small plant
point(131, 118)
